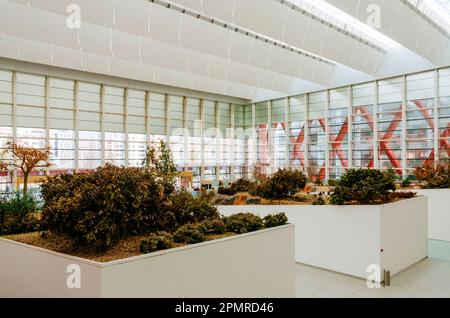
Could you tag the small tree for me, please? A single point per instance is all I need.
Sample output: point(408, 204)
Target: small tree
point(160, 163)
point(27, 159)
point(3, 166)
point(434, 176)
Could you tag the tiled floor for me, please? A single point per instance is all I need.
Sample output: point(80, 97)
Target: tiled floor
point(429, 278)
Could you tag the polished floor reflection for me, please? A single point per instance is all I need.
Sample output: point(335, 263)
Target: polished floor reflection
point(429, 278)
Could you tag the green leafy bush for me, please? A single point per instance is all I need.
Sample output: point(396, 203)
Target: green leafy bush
point(17, 214)
point(156, 241)
point(243, 223)
point(224, 200)
point(159, 162)
point(225, 191)
point(363, 186)
point(434, 176)
point(253, 201)
point(240, 185)
point(100, 208)
point(332, 183)
point(183, 208)
point(190, 234)
point(282, 184)
point(273, 220)
point(406, 183)
point(214, 226)
point(399, 195)
point(319, 201)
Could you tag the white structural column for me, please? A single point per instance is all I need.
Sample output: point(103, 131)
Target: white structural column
point(254, 137)
point(375, 138)
point(166, 118)
point(269, 136)
point(185, 134)
point(126, 119)
point(216, 135)
point(202, 158)
point(230, 136)
point(102, 122)
point(287, 107)
point(306, 134)
point(327, 136)
point(404, 123)
point(47, 116)
point(436, 105)
point(14, 122)
point(147, 117)
point(76, 115)
point(350, 127)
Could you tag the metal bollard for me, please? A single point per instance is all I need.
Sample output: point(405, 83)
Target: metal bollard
point(387, 277)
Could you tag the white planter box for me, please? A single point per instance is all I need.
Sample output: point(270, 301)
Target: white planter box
point(257, 264)
point(438, 213)
point(348, 239)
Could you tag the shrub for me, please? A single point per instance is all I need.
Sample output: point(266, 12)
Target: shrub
point(243, 223)
point(190, 234)
point(224, 200)
point(318, 201)
point(406, 183)
point(156, 241)
point(275, 219)
point(434, 176)
point(240, 185)
point(214, 226)
point(100, 208)
point(301, 197)
point(184, 208)
point(393, 196)
point(17, 214)
point(253, 201)
point(160, 163)
point(363, 186)
point(282, 184)
point(332, 183)
point(225, 191)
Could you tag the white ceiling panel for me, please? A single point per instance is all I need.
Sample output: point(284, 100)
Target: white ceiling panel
point(285, 62)
point(198, 63)
point(22, 49)
point(125, 47)
point(199, 35)
point(263, 16)
point(401, 24)
point(139, 11)
point(260, 53)
point(294, 32)
point(165, 25)
point(338, 46)
point(164, 55)
point(218, 67)
point(240, 48)
point(221, 9)
point(52, 28)
point(193, 4)
point(244, 74)
point(314, 34)
point(95, 39)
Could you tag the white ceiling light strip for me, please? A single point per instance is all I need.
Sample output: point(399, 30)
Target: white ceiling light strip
point(337, 19)
point(435, 12)
point(239, 29)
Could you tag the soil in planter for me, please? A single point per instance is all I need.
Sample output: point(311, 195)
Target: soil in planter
point(125, 248)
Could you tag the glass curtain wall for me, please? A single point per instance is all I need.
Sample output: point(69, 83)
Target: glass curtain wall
point(397, 123)
point(88, 124)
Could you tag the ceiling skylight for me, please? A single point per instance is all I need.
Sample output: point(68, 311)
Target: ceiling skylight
point(345, 22)
point(437, 11)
